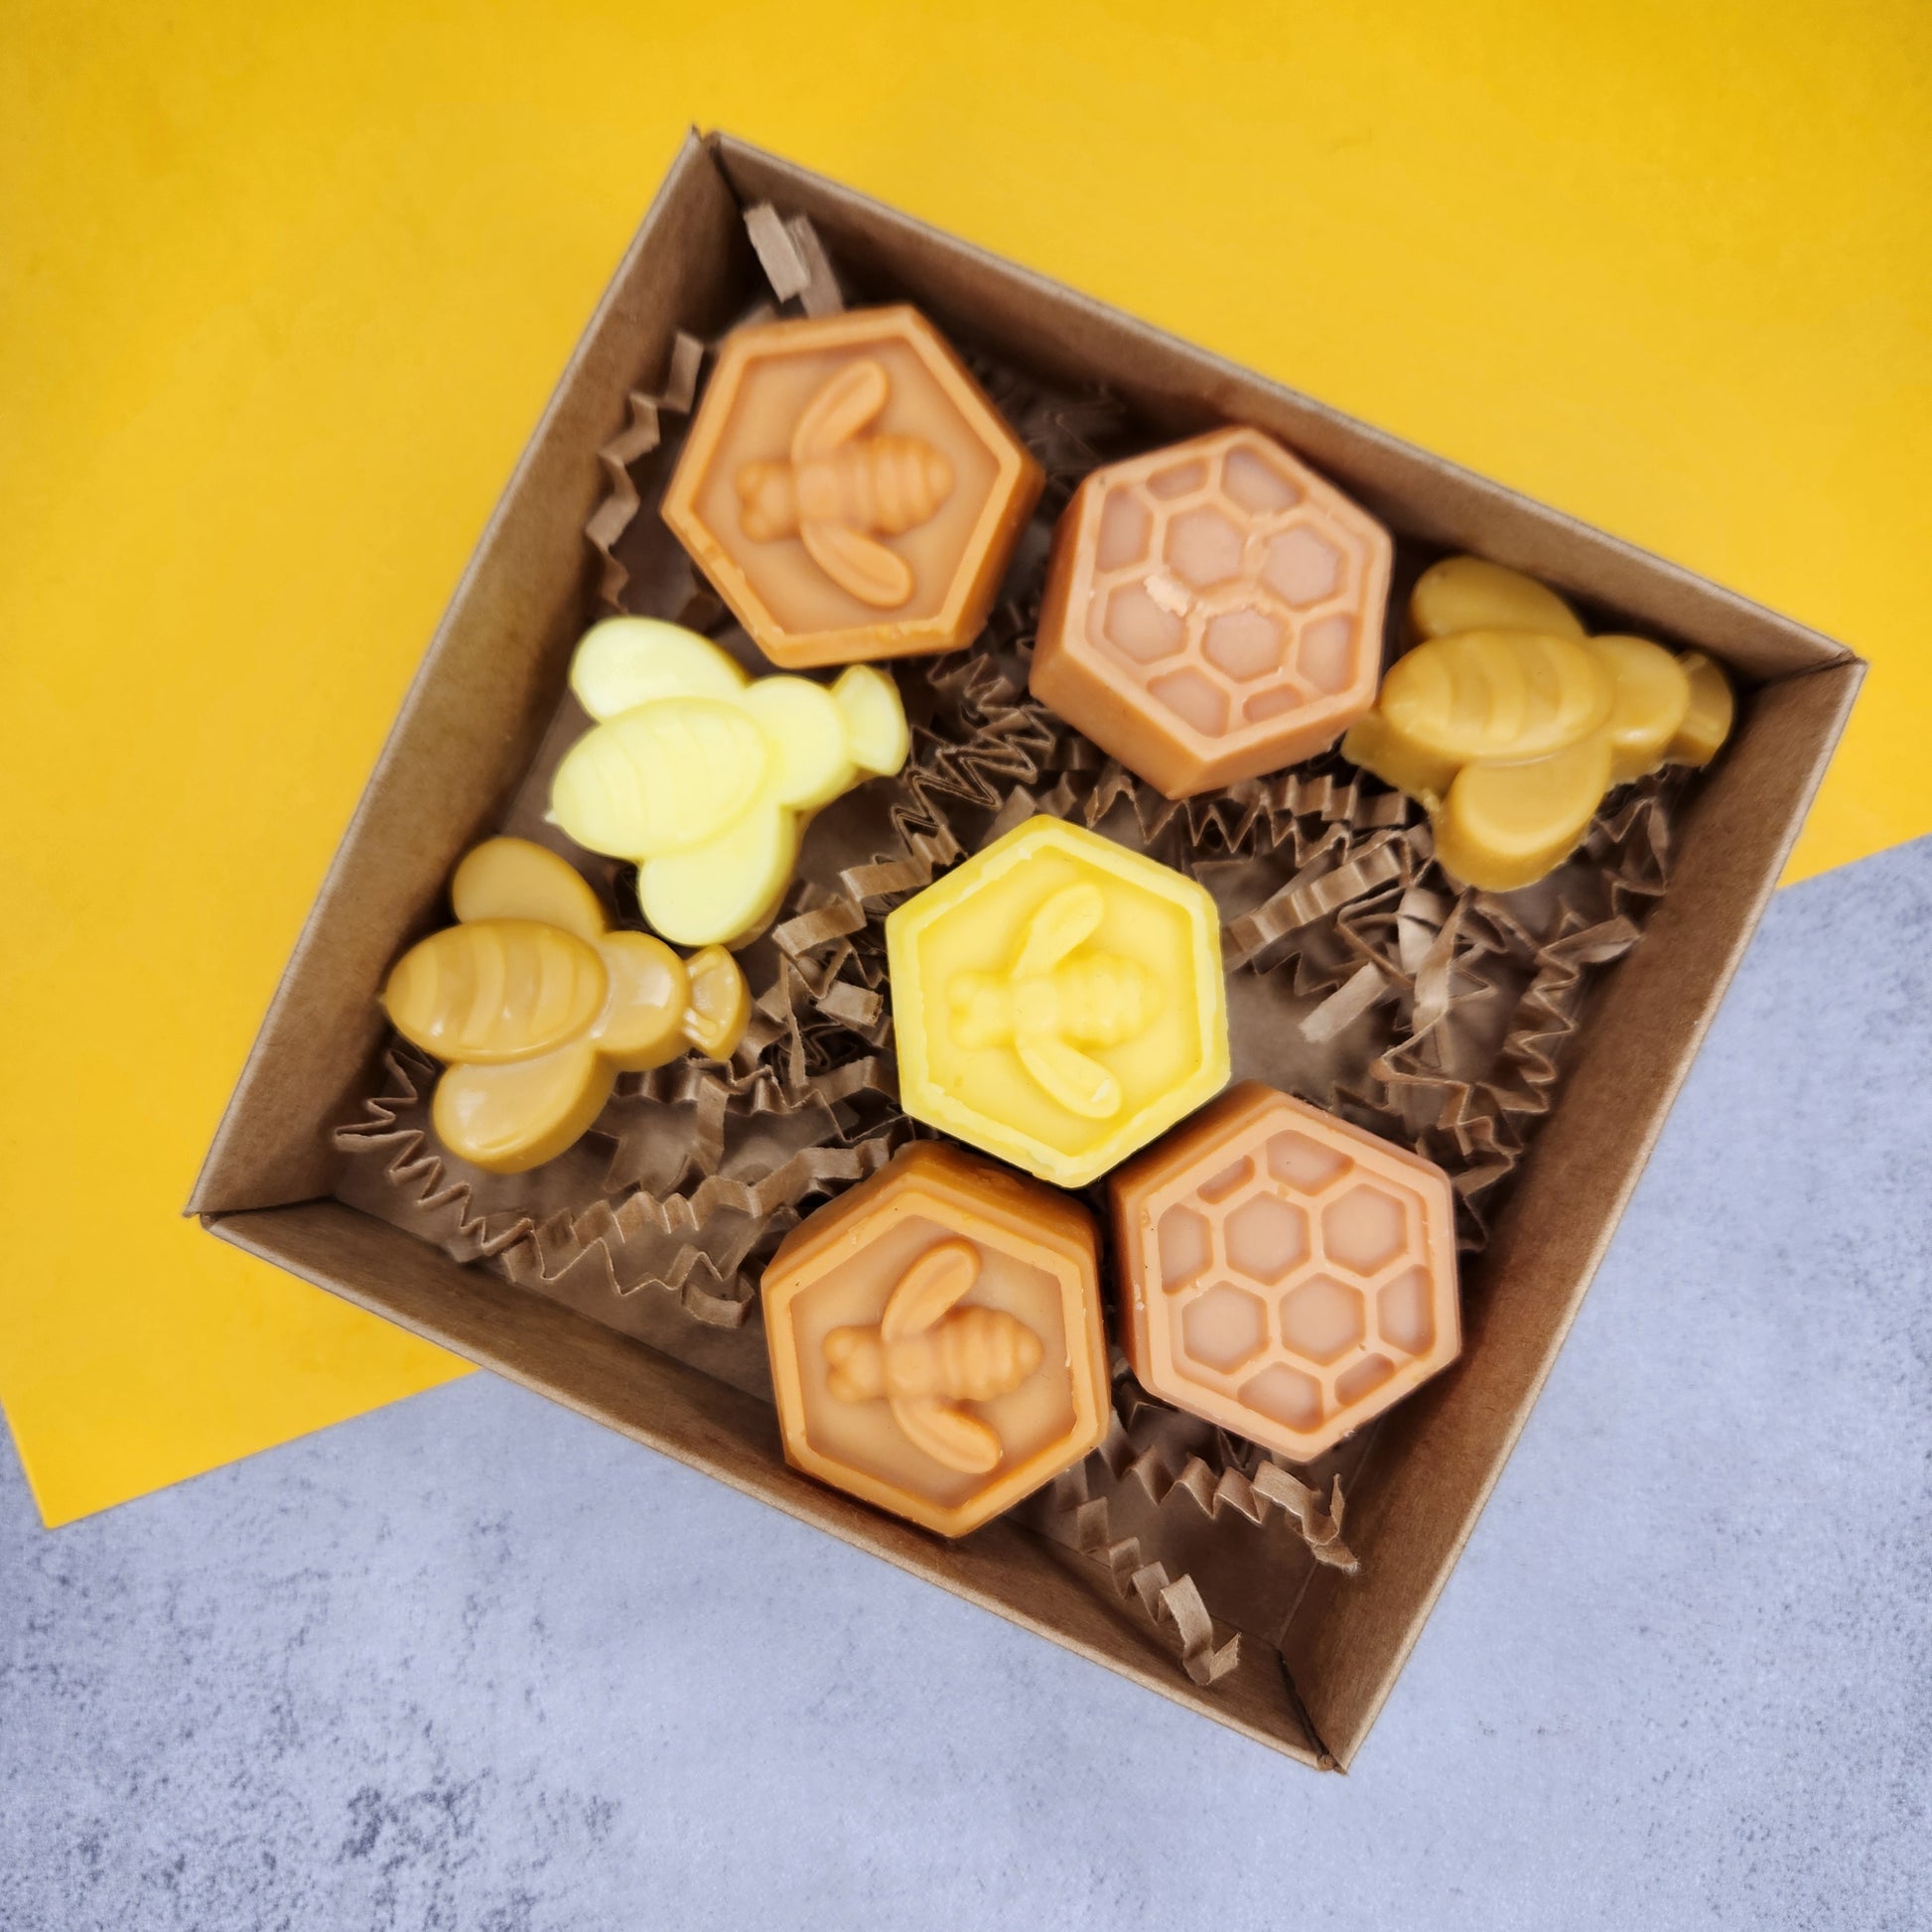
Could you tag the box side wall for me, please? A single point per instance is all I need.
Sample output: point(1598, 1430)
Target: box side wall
point(491, 676)
point(735, 1437)
point(1439, 1453)
point(1075, 339)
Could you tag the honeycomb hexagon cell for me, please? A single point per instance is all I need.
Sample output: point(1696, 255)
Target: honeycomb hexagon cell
point(1213, 611)
point(1345, 1243)
point(849, 490)
point(1223, 1328)
point(1058, 1000)
point(936, 1338)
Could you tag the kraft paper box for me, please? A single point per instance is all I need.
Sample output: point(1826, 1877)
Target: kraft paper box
point(476, 720)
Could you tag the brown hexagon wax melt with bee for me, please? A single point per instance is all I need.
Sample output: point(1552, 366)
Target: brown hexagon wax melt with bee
point(849, 489)
point(1213, 611)
point(936, 1338)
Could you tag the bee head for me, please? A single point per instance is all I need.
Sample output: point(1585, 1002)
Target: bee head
point(981, 1011)
point(768, 505)
point(857, 1373)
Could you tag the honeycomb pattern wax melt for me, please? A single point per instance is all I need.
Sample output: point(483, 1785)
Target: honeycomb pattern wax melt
point(936, 1338)
point(1283, 1274)
point(1057, 1000)
point(849, 489)
point(1213, 611)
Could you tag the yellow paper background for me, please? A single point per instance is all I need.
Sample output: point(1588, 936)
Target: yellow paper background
point(282, 291)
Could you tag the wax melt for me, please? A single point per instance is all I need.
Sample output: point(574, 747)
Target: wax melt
point(1283, 1274)
point(1057, 1000)
point(1510, 723)
point(849, 489)
point(537, 1006)
point(1213, 611)
point(704, 776)
point(936, 1338)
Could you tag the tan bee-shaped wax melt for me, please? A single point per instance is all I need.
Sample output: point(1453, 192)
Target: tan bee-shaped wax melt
point(925, 1358)
point(539, 1005)
point(704, 776)
point(840, 489)
point(1510, 723)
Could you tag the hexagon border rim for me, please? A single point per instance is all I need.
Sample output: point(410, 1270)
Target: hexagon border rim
point(815, 649)
point(1244, 1108)
point(926, 1191)
point(925, 1100)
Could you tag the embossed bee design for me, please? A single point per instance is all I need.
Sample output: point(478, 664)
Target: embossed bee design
point(926, 1356)
point(537, 1006)
point(1054, 1000)
point(840, 489)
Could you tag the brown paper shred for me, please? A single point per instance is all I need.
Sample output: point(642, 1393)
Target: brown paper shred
point(412, 1164)
point(1174, 1605)
point(820, 296)
point(1346, 1004)
point(1319, 888)
point(638, 440)
point(793, 260)
point(1177, 1606)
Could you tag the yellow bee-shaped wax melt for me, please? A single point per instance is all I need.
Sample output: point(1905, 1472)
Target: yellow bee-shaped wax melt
point(1049, 1004)
point(539, 1005)
point(703, 775)
point(1510, 725)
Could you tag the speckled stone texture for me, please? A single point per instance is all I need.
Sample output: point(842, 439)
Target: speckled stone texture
point(473, 1663)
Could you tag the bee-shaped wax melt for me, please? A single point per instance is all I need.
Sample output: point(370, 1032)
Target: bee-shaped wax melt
point(842, 491)
point(704, 776)
point(926, 1356)
point(1056, 999)
point(539, 1005)
point(1510, 723)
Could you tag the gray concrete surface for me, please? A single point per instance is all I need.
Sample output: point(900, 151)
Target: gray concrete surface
point(472, 1663)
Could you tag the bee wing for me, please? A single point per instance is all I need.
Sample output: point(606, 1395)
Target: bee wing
point(947, 1434)
point(623, 663)
point(845, 404)
point(1070, 916)
point(1081, 1085)
point(722, 891)
point(514, 1117)
point(858, 564)
point(928, 1289)
point(511, 879)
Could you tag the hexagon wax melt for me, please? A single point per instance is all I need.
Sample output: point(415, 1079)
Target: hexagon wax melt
point(1057, 1000)
point(1213, 611)
point(1283, 1273)
point(849, 489)
point(936, 1338)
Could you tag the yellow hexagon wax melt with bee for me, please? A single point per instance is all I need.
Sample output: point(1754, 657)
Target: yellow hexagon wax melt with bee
point(704, 776)
point(1510, 723)
point(537, 1006)
point(1057, 1000)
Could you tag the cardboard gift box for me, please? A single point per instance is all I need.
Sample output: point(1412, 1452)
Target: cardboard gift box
point(475, 719)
